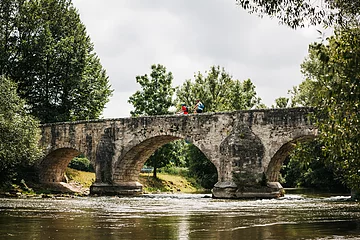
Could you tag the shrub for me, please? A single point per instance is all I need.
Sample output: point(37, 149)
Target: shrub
point(81, 163)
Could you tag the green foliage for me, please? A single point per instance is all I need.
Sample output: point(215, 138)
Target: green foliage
point(45, 49)
point(19, 132)
point(167, 154)
point(281, 102)
point(306, 167)
point(333, 73)
point(298, 13)
point(218, 91)
point(201, 168)
point(81, 163)
point(174, 170)
point(304, 94)
point(243, 96)
point(155, 97)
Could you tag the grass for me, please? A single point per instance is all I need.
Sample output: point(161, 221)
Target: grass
point(167, 183)
point(83, 178)
point(163, 183)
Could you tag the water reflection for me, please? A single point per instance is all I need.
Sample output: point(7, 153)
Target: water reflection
point(179, 217)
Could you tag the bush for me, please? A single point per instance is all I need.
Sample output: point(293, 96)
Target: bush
point(81, 163)
point(173, 170)
point(201, 168)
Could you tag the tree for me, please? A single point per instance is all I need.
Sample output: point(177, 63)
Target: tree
point(19, 132)
point(163, 156)
point(304, 94)
point(200, 167)
point(306, 167)
point(297, 13)
point(155, 98)
point(218, 91)
point(334, 70)
point(281, 102)
point(46, 51)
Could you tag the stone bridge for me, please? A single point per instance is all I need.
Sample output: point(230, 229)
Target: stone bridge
point(250, 144)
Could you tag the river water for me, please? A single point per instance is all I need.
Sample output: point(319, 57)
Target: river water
point(179, 216)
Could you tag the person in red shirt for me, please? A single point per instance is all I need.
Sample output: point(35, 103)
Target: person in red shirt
point(184, 109)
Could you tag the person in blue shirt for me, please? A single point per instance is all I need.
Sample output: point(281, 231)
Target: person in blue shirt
point(199, 107)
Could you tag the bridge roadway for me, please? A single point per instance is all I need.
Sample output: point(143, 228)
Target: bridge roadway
point(246, 144)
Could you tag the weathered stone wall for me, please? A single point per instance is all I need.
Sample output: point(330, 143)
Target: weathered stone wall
point(254, 141)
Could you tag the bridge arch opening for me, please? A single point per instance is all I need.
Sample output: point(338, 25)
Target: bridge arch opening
point(53, 168)
point(277, 161)
point(129, 165)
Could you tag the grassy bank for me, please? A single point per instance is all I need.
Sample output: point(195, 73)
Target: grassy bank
point(163, 183)
point(168, 183)
point(79, 183)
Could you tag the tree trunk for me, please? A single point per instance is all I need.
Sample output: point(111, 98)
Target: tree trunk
point(154, 173)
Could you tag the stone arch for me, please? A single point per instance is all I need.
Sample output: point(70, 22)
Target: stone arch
point(277, 160)
point(52, 167)
point(129, 164)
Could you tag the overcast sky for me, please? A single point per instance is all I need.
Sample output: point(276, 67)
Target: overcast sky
point(187, 36)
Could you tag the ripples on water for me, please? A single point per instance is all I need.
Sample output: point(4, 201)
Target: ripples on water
point(179, 216)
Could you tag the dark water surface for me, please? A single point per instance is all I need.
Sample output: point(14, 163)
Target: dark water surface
point(179, 216)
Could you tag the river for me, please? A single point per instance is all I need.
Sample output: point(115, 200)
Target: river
point(179, 216)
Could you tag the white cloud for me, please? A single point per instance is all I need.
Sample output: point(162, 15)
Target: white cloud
point(189, 36)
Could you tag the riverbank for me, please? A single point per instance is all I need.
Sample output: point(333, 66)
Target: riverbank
point(79, 183)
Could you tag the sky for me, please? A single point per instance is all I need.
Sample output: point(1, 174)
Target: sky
point(190, 36)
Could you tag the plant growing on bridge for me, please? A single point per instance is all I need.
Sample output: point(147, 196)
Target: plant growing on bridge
point(19, 132)
point(45, 49)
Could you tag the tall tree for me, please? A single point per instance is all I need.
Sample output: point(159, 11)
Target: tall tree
point(155, 98)
point(46, 50)
point(218, 91)
point(297, 13)
point(19, 132)
point(333, 68)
